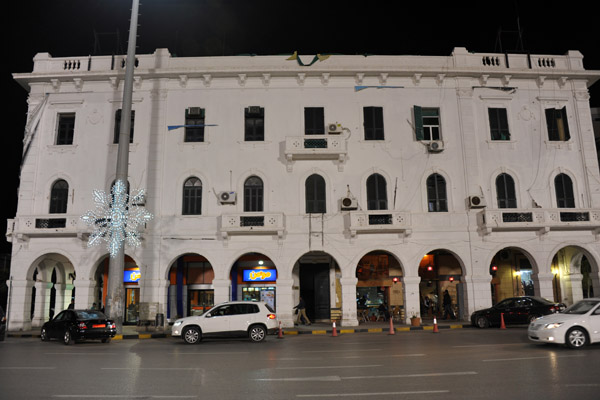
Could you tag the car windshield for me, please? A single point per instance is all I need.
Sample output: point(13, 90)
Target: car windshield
point(581, 308)
point(89, 314)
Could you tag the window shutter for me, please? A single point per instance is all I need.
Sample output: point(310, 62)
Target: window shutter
point(419, 123)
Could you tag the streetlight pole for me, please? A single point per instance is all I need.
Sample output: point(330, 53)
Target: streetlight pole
point(115, 297)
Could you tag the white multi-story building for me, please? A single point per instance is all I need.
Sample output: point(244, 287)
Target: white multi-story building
point(338, 178)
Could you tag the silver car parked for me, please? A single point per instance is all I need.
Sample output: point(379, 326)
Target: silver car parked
point(576, 326)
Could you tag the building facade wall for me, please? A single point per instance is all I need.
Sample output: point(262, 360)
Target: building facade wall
point(461, 86)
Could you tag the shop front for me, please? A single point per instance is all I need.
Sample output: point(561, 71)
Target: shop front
point(379, 288)
point(254, 281)
point(131, 278)
point(191, 290)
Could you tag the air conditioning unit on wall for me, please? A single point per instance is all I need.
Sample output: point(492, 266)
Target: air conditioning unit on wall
point(435, 146)
point(349, 203)
point(476, 201)
point(334, 129)
point(227, 197)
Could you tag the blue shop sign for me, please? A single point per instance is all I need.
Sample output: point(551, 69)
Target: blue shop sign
point(260, 275)
point(131, 276)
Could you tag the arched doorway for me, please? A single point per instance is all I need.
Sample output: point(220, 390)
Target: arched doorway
point(254, 278)
point(315, 274)
point(131, 278)
point(191, 290)
point(379, 277)
point(52, 287)
point(575, 275)
point(512, 275)
point(441, 271)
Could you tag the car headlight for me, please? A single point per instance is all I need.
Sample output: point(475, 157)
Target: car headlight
point(553, 326)
point(177, 323)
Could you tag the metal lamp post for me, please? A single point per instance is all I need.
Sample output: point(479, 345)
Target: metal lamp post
point(115, 297)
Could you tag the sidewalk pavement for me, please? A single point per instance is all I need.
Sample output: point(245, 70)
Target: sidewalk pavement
point(141, 332)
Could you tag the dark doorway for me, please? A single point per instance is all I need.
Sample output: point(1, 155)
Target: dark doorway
point(314, 289)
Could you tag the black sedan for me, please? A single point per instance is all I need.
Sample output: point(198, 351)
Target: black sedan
point(71, 325)
point(516, 310)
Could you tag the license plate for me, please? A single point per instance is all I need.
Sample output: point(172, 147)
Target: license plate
point(99, 326)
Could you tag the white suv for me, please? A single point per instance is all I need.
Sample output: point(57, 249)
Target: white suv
point(234, 318)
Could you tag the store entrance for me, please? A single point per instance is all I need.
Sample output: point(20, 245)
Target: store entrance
point(199, 300)
point(132, 306)
point(314, 289)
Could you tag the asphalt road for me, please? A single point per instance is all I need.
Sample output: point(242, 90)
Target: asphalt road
point(452, 364)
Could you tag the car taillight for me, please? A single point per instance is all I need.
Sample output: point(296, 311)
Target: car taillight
point(82, 325)
point(271, 316)
point(112, 325)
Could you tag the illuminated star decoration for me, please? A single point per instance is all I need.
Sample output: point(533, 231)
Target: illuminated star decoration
point(116, 218)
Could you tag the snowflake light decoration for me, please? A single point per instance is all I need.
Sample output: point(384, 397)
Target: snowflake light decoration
point(116, 218)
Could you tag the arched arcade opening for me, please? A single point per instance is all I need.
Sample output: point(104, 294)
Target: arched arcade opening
point(442, 286)
point(254, 278)
point(512, 275)
point(191, 290)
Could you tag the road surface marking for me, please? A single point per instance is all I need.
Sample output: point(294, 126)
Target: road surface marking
point(413, 375)
point(373, 394)
point(152, 369)
point(583, 384)
point(80, 354)
point(533, 358)
point(336, 378)
point(339, 351)
point(9, 368)
point(212, 353)
point(332, 366)
point(384, 356)
point(118, 396)
point(486, 345)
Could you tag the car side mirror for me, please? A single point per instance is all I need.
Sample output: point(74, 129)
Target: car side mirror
point(208, 315)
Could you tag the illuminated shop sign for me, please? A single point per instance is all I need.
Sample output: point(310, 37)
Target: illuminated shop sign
point(260, 275)
point(131, 276)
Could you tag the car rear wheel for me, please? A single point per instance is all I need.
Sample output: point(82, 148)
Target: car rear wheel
point(44, 335)
point(192, 335)
point(257, 333)
point(67, 339)
point(106, 340)
point(482, 322)
point(576, 338)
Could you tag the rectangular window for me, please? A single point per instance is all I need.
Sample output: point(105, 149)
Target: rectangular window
point(194, 124)
point(558, 128)
point(373, 123)
point(118, 126)
point(254, 124)
point(66, 129)
point(499, 124)
point(427, 123)
point(314, 121)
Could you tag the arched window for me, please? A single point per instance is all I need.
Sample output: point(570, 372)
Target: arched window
point(58, 197)
point(376, 193)
point(192, 197)
point(505, 191)
point(315, 194)
point(564, 191)
point(253, 194)
point(437, 200)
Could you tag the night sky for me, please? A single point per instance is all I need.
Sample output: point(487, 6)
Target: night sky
point(220, 27)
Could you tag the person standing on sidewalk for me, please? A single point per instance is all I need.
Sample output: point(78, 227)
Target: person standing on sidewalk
point(447, 303)
point(301, 312)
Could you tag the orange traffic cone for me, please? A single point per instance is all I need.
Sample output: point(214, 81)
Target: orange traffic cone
point(502, 326)
point(334, 334)
point(392, 331)
point(435, 326)
point(280, 334)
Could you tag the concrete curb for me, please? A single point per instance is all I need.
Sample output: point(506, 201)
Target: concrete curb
point(288, 331)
